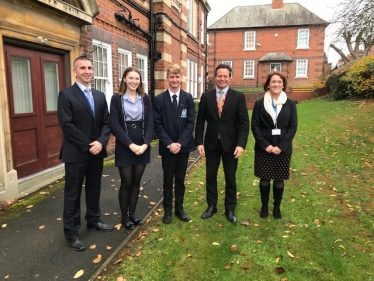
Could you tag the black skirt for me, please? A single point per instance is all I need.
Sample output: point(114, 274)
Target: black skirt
point(272, 166)
point(124, 157)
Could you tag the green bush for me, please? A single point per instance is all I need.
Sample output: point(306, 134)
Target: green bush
point(354, 80)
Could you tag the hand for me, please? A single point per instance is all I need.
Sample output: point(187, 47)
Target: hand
point(201, 150)
point(269, 149)
point(276, 150)
point(95, 148)
point(238, 151)
point(175, 147)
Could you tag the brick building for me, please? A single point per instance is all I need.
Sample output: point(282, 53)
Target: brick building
point(255, 40)
point(40, 39)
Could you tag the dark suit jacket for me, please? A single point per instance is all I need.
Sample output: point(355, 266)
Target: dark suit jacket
point(165, 122)
point(80, 126)
point(262, 125)
point(233, 126)
point(117, 122)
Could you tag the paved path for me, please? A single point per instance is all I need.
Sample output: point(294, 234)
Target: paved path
point(30, 253)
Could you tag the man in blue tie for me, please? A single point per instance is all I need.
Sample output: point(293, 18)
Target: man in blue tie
point(174, 118)
point(84, 119)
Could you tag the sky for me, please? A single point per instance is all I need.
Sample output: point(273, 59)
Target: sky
point(323, 8)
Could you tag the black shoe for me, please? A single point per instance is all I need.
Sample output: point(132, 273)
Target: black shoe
point(129, 225)
point(100, 226)
point(277, 213)
point(76, 243)
point(209, 212)
point(167, 218)
point(230, 215)
point(182, 215)
point(136, 221)
point(264, 211)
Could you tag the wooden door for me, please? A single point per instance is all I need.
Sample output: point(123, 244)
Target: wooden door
point(33, 82)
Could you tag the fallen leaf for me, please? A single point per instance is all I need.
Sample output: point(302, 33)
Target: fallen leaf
point(246, 223)
point(189, 255)
point(245, 266)
point(170, 263)
point(125, 254)
point(155, 230)
point(78, 274)
point(93, 246)
point(244, 253)
point(200, 182)
point(118, 226)
point(278, 259)
point(290, 255)
point(215, 244)
point(106, 214)
point(119, 278)
point(43, 192)
point(316, 221)
point(30, 206)
point(227, 267)
point(108, 247)
point(233, 247)
point(338, 240)
point(118, 261)
point(41, 227)
point(98, 259)
point(152, 203)
point(220, 225)
point(280, 270)
point(258, 242)
point(256, 225)
point(4, 225)
point(6, 277)
point(145, 196)
point(138, 254)
point(58, 219)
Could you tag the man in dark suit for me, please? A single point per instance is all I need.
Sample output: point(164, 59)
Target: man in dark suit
point(225, 112)
point(174, 118)
point(84, 119)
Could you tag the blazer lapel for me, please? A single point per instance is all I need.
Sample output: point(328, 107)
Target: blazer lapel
point(82, 98)
point(169, 105)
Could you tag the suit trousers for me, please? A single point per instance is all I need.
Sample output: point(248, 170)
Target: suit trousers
point(175, 167)
point(230, 164)
point(75, 172)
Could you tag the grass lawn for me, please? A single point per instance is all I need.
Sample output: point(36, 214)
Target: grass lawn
point(327, 226)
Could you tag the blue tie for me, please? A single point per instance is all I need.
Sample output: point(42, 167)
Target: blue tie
point(90, 99)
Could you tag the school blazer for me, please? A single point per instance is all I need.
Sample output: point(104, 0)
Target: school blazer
point(80, 126)
point(166, 123)
point(117, 122)
point(262, 126)
point(233, 126)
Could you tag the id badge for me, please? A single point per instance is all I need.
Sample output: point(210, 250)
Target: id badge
point(276, 132)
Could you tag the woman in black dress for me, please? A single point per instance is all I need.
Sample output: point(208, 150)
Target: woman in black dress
point(274, 125)
point(131, 120)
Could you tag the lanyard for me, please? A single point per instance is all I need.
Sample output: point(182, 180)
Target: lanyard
point(276, 112)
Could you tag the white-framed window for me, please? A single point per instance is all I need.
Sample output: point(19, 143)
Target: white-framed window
point(191, 79)
point(192, 17)
point(124, 61)
point(142, 64)
point(202, 28)
point(102, 64)
point(249, 69)
point(202, 80)
point(249, 40)
point(302, 68)
point(303, 38)
point(275, 67)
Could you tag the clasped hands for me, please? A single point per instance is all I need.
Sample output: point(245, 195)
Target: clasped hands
point(95, 148)
point(273, 149)
point(237, 152)
point(175, 147)
point(138, 149)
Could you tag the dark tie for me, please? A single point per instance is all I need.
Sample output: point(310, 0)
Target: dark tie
point(175, 105)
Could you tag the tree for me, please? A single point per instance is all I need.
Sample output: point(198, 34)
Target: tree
point(356, 18)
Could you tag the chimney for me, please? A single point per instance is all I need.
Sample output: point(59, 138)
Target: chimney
point(277, 4)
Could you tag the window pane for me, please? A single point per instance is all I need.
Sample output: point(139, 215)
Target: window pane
point(51, 83)
point(21, 84)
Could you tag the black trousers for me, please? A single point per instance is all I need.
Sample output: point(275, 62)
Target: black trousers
point(90, 170)
point(230, 164)
point(175, 168)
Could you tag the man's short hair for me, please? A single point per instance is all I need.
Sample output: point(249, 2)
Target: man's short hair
point(83, 57)
point(174, 69)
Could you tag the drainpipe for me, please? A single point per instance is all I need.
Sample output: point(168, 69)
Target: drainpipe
point(152, 48)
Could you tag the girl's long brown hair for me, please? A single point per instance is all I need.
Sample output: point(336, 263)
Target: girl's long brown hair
point(123, 87)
